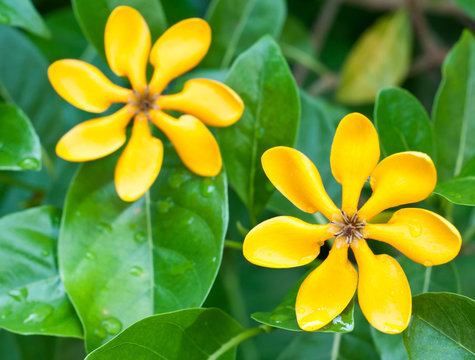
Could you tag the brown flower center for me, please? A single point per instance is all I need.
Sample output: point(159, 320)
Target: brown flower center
point(144, 101)
point(349, 227)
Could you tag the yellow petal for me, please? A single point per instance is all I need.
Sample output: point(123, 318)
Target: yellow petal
point(140, 163)
point(327, 290)
point(194, 143)
point(95, 138)
point(284, 242)
point(354, 154)
point(84, 86)
point(297, 178)
point(383, 291)
point(210, 101)
point(127, 44)
point(178, 50)
point(399, 179)
point(421, 235)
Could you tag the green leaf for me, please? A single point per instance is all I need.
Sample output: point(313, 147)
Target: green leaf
point(402, 123)
point(454, 109)
point(381, 57)
point(32, 297)
point(238, 24)
point(442, 327)
point(192, 334)
point(283, 316)
point(264, 82)
point(92, 15)
point(468, 6)
point(461, 189)
point(123, 261)
point(22, 13)
point(20, 147)
point(389, 346)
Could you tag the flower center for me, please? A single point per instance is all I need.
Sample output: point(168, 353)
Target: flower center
point(144, 101)
point(349, 227)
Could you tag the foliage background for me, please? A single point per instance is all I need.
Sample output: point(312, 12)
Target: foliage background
point(341, 54)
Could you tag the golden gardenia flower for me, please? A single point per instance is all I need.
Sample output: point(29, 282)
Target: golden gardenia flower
point(383, 291)
point(127, 46)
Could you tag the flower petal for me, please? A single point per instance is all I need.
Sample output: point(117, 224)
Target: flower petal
point(399, 179)
point(95, 138)
point(127, 44)
point(297, 178)
point(421, 235)
point(210, 101)
point(140, 163)
point(327, 290)
point(85, 86)
point(383, 291)
point(194, 143)
point(354, 154)
point(178, 50)
point(284, 242)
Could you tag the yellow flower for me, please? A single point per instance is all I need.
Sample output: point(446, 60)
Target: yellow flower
point(127, 45)
point(383, 291)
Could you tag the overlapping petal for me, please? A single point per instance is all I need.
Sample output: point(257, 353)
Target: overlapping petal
point(384, 294)
point(210, 101)
point(95, 138)
point(85, 86)
point(297, 178)
point(194, 143)
point(178, 50)
point(127, 43)
point(327, 290)
point(399, 179)
point(354, 154)
point(140, 163)
point(421, 235)
point(284, 242)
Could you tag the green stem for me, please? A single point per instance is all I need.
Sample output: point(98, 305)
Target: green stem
point(246, 334)
point(148, 217)
point(48, 163)
point(231, 244)
point(427, 276)
point(304, 59)
point(336, 346)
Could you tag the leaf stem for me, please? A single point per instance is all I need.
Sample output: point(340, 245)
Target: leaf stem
point(231, 244)
point(246, 334)
point(336, 346)
point(427, 276)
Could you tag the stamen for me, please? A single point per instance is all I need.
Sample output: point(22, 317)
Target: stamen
point(350, 227)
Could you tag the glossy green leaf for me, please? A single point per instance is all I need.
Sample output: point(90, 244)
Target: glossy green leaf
point(92, 15)
point(381, 57)
point(283, 316)
point(238, 24)
point(461, 189)
point(442, 327)
point(468, 6)
point(192, 334)
point(123, 261)
point(32, 297)
point(402, 123)
point(263, 80)
point(454, 109)
point(22, 13)
point(20, 147)
point(389, 346)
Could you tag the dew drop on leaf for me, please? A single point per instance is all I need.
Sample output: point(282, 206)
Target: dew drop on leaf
point(137, 271)
point(105, 227)
point(177, 179)
point(45, 252)
point(40, 313)
point(112, 325)
point(164, 206)
point(18, 294)
point(5, 314)
point(29, 163)
point(100, 333)
point(140, 237)
point(207, 187)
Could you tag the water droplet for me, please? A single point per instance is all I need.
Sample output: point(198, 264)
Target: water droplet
point(29, 163)
point(105, 227)
point(214, 259)
point(427, 263)
point(19, 294)
point(207, 187)
point(5, 314)
point(112, 325)
point(415, 230)
point(137, 271)
point(39, 314)
point(140, 237)
point(178, 178)
point(181, 268)
point(278, 318)
point(100, 333)
point(164, 206)
point(45, 252)
point(260, 133)
point(90, 256)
